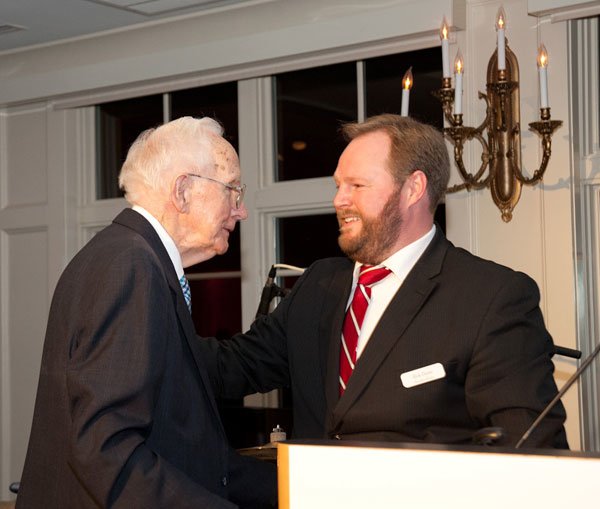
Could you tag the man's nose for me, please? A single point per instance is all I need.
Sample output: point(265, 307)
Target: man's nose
point(341, 198)
point(242, 212)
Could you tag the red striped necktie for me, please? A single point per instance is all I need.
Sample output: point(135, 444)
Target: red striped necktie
point(355, 315)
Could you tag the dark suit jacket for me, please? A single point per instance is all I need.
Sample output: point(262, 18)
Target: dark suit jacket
point(480, 320)
point(125, 415)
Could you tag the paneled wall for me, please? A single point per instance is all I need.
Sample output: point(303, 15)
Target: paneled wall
point(23, 271)
point(539, 239)
point(34, 204)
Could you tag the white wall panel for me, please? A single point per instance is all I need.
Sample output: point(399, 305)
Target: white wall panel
point(24, 169)
point(37, 236)
point(24, 277)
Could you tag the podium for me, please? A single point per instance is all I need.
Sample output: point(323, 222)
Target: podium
point(332, 474)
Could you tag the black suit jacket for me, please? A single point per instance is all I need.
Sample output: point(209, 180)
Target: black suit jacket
point(480, 320)
point(125, 415)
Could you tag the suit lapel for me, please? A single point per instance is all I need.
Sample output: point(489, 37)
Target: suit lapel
point(330, 329)
point(402, 309)
point(137, 222)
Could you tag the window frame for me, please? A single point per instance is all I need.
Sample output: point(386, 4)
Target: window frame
point(584, 76)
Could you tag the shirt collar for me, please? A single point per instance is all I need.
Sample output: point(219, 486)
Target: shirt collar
point(166, 239)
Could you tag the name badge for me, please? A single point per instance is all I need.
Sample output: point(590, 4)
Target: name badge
point(422, 375)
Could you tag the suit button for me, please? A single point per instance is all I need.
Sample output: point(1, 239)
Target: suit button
point(224, 481)
point(337, 437)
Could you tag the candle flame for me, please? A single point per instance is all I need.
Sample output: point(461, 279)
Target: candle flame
point(501, 19)
point(542, 58)
point(407, 80)
point(458, 63)
point(444, 29)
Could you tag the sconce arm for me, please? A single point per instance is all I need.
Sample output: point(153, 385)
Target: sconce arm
point(545, 128)
point(458, 135)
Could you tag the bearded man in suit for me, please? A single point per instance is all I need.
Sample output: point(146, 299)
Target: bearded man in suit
point(449, 343)
point(125, 416)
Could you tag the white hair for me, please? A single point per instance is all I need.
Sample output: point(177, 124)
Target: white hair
point(180, 145)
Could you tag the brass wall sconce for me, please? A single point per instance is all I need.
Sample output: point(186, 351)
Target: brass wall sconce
point(501, 151)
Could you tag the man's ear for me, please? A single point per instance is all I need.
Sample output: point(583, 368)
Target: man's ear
point(415, 187)
point(180, 194)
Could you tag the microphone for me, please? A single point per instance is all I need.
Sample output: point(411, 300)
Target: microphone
point(567, 352)
point(559, 395)
point(267, 293)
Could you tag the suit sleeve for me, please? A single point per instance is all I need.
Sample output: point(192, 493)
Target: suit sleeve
point(114, 375)
point(510, 378)
point(257, 360)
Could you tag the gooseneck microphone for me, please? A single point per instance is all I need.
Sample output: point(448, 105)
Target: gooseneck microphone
point(559, 395)
point(271, 290)
point(267, 293)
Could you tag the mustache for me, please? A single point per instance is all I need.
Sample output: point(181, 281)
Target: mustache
point(344, 213)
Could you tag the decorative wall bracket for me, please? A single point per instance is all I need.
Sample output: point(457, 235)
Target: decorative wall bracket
point(501, 151)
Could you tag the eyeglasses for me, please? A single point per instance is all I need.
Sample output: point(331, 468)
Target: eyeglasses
point(240, 190)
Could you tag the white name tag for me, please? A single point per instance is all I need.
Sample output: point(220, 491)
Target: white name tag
point(423, 375)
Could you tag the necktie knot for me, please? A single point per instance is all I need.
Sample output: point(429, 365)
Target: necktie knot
point(187, 293)
point(370, 275)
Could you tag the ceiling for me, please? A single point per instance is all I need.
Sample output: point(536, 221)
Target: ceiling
point(32, 22)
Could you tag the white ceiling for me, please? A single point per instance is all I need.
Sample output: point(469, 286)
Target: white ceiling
point(32, 22)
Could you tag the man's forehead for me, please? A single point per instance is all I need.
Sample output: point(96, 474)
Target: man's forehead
point(226, 160)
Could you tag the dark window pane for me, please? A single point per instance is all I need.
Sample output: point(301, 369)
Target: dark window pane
point(440, 216)
point(217, 306)
point(215, 101)
point(301, 240)
point(311, 105)
point(305, 239)
point(118, 124)
point(384, 84)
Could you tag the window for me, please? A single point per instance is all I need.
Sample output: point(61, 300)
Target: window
point(584, 49)
point(311, 104)
point(384, 84)
point(304, 239)
point(216, 101)
point(118, 124)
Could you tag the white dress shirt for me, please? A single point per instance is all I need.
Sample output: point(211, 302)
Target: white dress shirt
point(400, 263)
point(166, 239)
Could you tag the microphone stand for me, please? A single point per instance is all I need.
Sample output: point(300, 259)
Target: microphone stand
point(559, 395)
point(272, 290)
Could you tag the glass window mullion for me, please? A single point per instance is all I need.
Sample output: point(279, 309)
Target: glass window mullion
point(166, 107)
point(361, 97)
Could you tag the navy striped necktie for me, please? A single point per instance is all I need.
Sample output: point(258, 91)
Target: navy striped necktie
point(187, 293)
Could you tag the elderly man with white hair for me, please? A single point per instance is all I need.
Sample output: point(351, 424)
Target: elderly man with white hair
point(125, 415)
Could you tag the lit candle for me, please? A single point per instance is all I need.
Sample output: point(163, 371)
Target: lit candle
point(500, 27)
point(542, 61)
point(445, 58)
point(407, 82)
point(458, 74)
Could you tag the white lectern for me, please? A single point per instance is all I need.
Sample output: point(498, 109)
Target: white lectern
point(372, 475)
